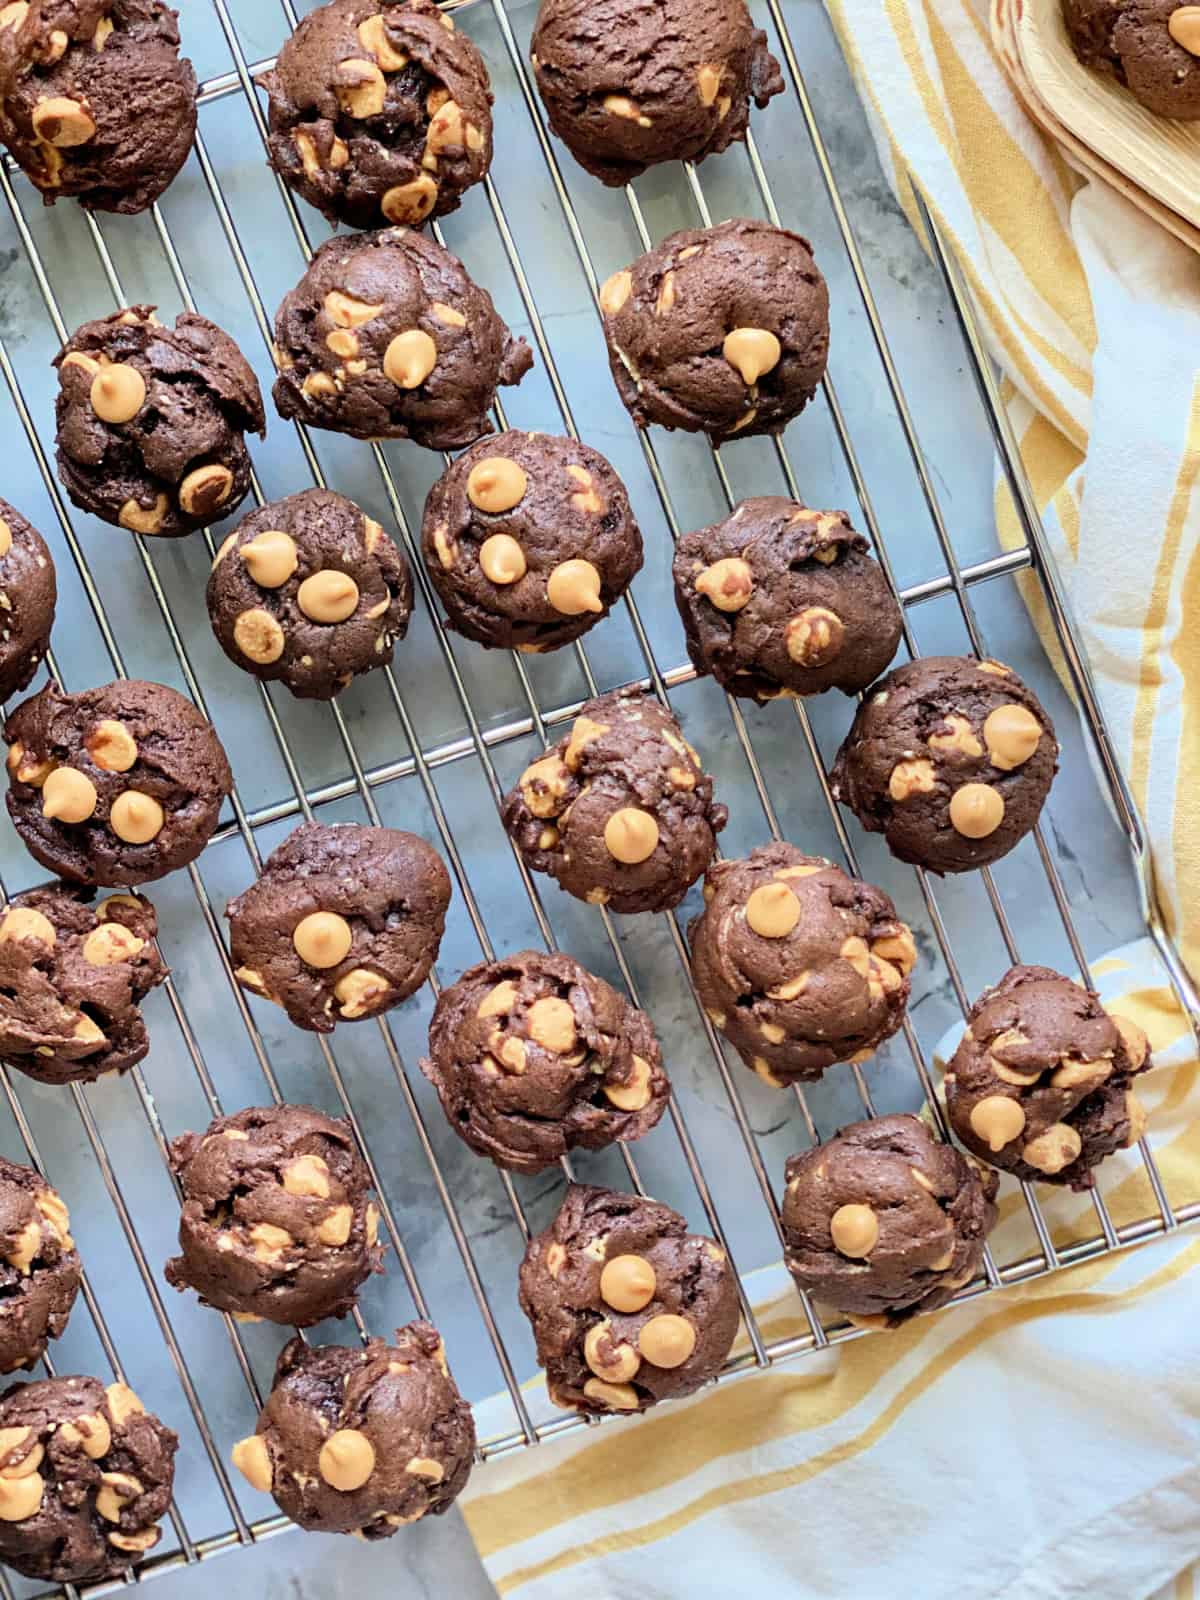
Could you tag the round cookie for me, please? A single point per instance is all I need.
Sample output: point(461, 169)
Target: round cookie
point(151, 421)
point(628, 86)
point(627, 1307)
point(277, 1220)
point(533, 1057)
point(1040, 1084)
point(362, 1441)
point(798, 965)
point(529, 540)
point(72, 979)
point(344, 923)
point(39, 1269)
point(1151, 46)
point(85, 1475)
point(619, 811)
point(114, 786)
point(781, 600)
point(380, 111)
point(309, 592)
point(386, 337)
point(722, 330)
point(884, 1221)
point(95, 100)
point(28, 596)
point(951, 759)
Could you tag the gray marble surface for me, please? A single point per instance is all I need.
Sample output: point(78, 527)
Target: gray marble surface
point(436, 1560)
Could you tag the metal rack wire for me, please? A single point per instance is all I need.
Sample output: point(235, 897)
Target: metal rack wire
point(483, 744)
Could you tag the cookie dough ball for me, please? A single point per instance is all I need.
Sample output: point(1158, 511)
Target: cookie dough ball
point(1151, 46)
point(380, 112)
point(533, 1057)
point(627, 1307)
point(151, 421)
point(530, 541)
point(951, 759)
point(780, 600)
point(626, 87)
point(114, 786)
point(95, 100)
point(723, 330)
point(620, 810)
point(797, 964)
point(72, 979)
point(85, 1475)
point(277, 1220)
point(344, 923)
point(39, 1272)
point(883, 1221)
point(386, 337)
point(310, 592)
point(1041, 1084)
point(362, 1441)
point(28, 595)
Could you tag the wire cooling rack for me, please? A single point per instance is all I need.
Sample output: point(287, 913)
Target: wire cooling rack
point(434, 742)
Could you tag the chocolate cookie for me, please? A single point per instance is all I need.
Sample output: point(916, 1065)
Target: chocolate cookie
point(620, 810)
point(86, 1475)
point(627, 1307)
point(72, 977)
point(151, 421)
point(1040, 1085)
point(627, 86)
point(311, 592)
point(797, 964)
point(533, 1057)
point(344, 923)
point(386, 337)
point(883, 1221)
point(28, 595)
point(116, 785)
point(95, 100)
point(380, 111)
point(277, 1222)
point(530, 541)
point(39, 1272)
point(1151, 46)
point(951, 759)
point(723, 330)
point(362, 1441)
point(780, 600)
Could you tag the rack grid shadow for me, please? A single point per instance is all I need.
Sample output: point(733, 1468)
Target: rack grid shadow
point(905, 430)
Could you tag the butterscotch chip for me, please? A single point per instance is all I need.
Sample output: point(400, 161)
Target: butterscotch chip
point(854, 1230)
point(258, 636)
point(1011, 734)
point(136, 817)
point(271, 557)
point(328, 596)
point(111, 745)
point(68, 795)
point(728, 583)
point(501, 559)
point(630, 835)
point(410, 358)
point(118, 392)
point(976, 810)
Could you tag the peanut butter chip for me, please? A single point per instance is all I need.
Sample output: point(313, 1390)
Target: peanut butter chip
point(608, 1359)
point(616, 292)
point(328, 596)
point(68, 795)
point(1136, 1112)
point(21, 1497)
point(23, 922)
point(252, 1459)
point(617, 1396)
point(620, 105)
point(28, 1243)
point(347, 1459)
point(544, 786)
point(410, 358)
point(307, 1175)
point(141, 519)
point(348, 311)
point(63, 123)
point(258, 636)
point(814, 637)
point(116, 1490)
point(1053, 1150)
point(110, 944)
point(206, 489)
point(772, 911)
point(708, 83)
point(118, 393)
point(425, 1467)
point(574, 587)
point(959, 736)
point(111, 746)
point(409, 203)
point(1184, 27)
point(667, 1340)
point(360, 87)
point(5, 538)
point(909, 778)
point(501, 559)
point(1137, 1045)
point(271, 558)
point(1011, 734)
point(552, 1025)
point(627, 1283)
point(854, 1230)
point(135, 1543)
point(899, 948)
point(728, 583)
point(447, 129)
point(359, 992)
point(322, 939)
point(631, 835)
point(997, 1120)
point(498, 1001)
point(14, 14)
point(753, 351)
point(123, 1403)
point(634, 1095)
point(335, 1229)
point(976, 810)
point(450, 315)
point(91, 1433)
point(496, 484)
point(373, 36)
